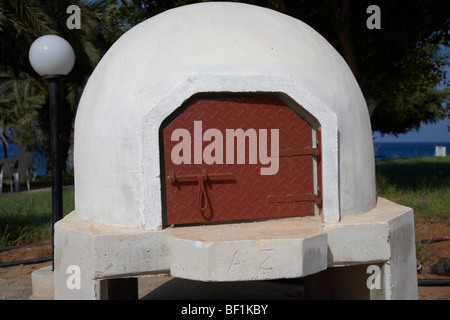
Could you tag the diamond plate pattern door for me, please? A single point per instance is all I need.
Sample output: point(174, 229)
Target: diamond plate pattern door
point(212, 174)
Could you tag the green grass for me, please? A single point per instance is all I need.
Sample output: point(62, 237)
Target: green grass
point(27, 217)
point(422, 184)
point(40, 182)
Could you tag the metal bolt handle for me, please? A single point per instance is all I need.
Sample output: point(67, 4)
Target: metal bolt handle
point(201, 179)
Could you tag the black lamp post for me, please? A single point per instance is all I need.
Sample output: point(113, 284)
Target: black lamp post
point(52, 57)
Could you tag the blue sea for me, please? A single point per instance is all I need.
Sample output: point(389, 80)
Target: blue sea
point(392, 150)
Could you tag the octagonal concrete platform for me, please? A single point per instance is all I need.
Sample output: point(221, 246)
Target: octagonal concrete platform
point(287, 248)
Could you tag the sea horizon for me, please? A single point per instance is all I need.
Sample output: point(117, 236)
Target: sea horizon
point(392, 150)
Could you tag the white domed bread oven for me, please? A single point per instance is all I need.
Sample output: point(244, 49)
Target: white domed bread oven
point(227, 142)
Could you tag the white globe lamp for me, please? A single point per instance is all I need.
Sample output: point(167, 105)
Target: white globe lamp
point(51, 55)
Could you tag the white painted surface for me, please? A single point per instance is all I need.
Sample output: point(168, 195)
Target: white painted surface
point(209, 47)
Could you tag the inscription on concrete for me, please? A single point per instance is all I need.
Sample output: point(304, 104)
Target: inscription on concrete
point(265, 264)
point(238, 263)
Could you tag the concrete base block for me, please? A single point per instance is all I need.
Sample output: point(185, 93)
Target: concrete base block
point(335, 259)
point(266, 250)
point(87, 253)
point(42, 284)
point(382, 237)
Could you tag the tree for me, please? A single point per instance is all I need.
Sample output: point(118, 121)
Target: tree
point(125, 14)
point(20, 23)
point(397, 66)
point(23, 21)
point(18, 114)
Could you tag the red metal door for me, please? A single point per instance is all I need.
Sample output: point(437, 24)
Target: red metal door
point(206, 182)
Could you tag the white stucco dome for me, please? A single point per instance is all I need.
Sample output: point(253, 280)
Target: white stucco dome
point(209, 47)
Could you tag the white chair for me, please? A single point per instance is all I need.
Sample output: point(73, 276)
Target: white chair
point(6, 166)
point(23, 166)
